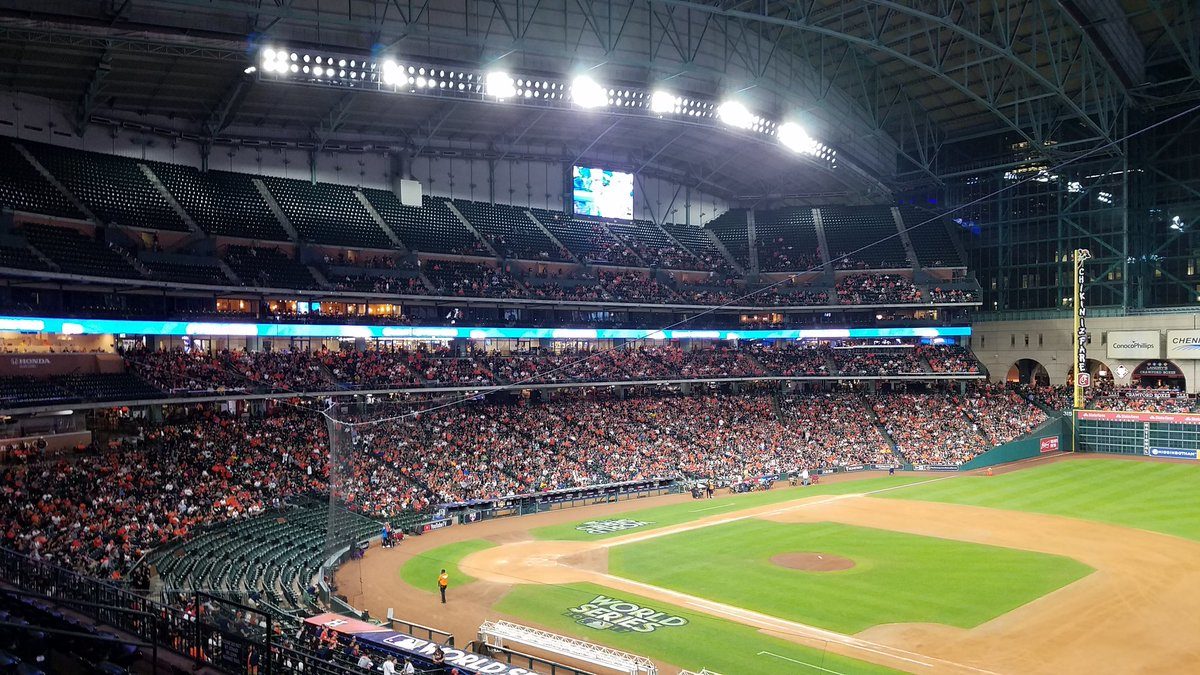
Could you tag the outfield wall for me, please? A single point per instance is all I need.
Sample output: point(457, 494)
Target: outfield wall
point(1053, 436)
point(1166, 435)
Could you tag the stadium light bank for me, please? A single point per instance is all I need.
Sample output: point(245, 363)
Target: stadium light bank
point(423, 78)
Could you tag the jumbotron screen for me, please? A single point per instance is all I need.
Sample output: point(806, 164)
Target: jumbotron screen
point(603, 193)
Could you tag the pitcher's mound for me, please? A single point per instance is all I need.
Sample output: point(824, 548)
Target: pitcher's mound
point(812, 562)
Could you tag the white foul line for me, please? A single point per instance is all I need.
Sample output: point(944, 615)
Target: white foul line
point(718, 506)
point(803, 663)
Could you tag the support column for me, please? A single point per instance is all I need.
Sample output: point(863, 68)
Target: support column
point(491, 181)
point(568, 183)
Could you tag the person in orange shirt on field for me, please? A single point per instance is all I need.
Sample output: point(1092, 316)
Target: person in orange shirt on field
point(443, 581)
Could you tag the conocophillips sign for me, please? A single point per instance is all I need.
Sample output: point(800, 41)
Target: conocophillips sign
point(1134, 344)
point(1183, 344)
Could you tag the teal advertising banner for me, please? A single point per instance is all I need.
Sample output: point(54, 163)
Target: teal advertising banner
point(57, 326)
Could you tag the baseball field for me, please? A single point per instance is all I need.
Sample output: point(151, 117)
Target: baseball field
point(1071, 564)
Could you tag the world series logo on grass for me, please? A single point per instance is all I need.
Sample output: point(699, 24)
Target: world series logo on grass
point(610, 526)
point(619, 616)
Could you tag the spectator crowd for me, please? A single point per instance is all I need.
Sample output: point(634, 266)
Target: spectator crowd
point(390, 365)
point(543, 281)
point(102, 509)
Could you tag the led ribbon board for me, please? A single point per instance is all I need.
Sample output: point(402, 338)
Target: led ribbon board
point(55, 326)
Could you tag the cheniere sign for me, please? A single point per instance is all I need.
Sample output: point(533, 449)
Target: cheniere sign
point(1183, 344)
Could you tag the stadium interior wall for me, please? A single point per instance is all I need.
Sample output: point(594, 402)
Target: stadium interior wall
point(521, 182)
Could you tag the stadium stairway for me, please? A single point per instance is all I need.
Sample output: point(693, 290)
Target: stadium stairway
point(758, 364)
point(826, 266)
point(671, 238)
point(375, 216)
point(831, 366)
point(720, 246)
point(886, 436)
point(776, 407)
point(319, 276)
point(169, 199)
point(604, 226)
point(752, 236)
point(429, 285)
point(55, 182)
point(275, 209)
point(905, 239)
point(233, 276)
point(546, 231)
point(471, 228)
point(42, 257)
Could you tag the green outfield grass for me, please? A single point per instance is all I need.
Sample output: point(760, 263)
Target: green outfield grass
point(898, 578)
point(703, 642)
point(422, 569)
point(673, 514)
point(1154, 496)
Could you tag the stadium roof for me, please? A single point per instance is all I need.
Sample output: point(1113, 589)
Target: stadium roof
point(888, 84)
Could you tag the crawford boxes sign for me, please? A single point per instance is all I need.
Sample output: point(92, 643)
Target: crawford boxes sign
point(619, 616)
point(1134, 344)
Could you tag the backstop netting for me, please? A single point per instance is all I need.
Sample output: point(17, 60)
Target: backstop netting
point(352, 519)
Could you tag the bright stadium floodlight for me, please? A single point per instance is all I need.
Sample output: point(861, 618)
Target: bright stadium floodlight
point(499, 84)
point(587, 93)
point(393, 73)
point(663, 102)
point(274, 60)
point(735, 114)
point(793, 137)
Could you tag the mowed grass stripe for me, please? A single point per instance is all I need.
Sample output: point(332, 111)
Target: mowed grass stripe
point(674, 514)
point(706, 641)
point(1160, 497)
point(421, 571)
point(898, 577)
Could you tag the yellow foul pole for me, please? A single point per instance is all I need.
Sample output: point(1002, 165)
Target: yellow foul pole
point(1082, 378)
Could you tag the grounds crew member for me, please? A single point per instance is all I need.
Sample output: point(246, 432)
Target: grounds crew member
point(443, 581)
